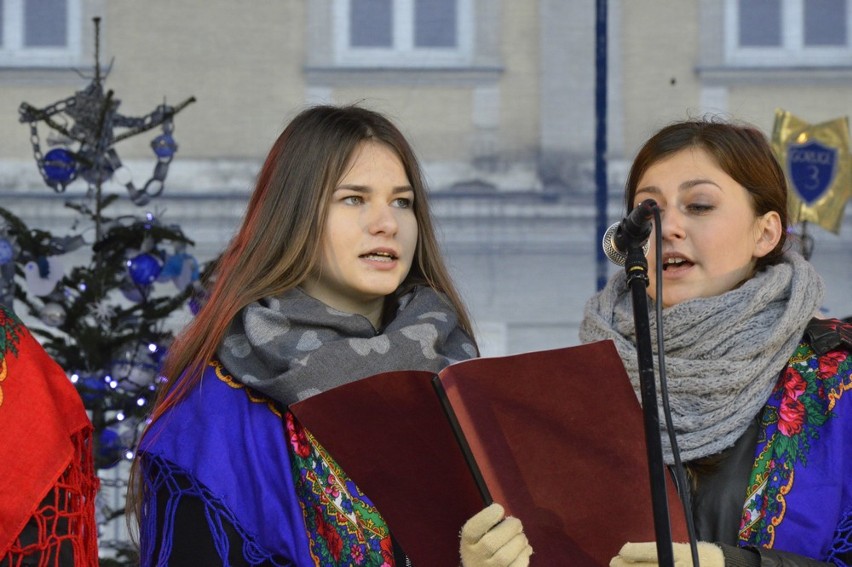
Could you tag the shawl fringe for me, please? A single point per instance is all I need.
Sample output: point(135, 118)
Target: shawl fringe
point(162, 476)
point(64, 521)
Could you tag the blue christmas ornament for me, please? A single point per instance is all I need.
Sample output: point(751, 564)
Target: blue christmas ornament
point(164, 146)
point(132, 292)
point(144, 268)
point(91, 389)
point(172, 267)
point(110, 448)
point(7, 251)
point(181, 268)
point(60, 166)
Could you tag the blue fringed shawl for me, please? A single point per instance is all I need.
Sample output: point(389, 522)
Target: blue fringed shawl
point(229, 448)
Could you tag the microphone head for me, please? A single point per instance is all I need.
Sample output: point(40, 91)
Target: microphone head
point(615, 255)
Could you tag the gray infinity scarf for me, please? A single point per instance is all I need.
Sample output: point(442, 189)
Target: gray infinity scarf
point(293, 346)
point(723, 353)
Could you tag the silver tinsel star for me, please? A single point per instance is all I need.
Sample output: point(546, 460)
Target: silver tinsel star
point(103, 311)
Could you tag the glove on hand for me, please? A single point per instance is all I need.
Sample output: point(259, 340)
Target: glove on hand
point(489, 540)
point(645, 555)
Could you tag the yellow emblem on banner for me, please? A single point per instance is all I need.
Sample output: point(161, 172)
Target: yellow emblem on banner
point(816, 161)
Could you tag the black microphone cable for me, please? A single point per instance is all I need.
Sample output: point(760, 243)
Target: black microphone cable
point(679, 472)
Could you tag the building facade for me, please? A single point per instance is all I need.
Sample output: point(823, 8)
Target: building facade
point(498, 97)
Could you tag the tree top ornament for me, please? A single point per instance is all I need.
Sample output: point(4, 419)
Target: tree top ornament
point(86, 127)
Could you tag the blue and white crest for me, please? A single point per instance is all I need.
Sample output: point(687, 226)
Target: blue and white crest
point(812, 167)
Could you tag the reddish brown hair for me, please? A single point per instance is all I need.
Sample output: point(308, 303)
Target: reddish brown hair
point(740, 150)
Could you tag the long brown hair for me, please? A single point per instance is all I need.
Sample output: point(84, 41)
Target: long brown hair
point(740, 150)
point(279, 242)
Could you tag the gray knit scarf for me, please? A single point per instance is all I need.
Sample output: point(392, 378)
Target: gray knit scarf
point(723, 353)
point(293, 346)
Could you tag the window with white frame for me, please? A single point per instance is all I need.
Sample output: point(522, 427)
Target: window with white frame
point(403, 33)
point(787, 33)
point(39, 33)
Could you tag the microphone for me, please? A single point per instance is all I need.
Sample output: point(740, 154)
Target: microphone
point(635, 227)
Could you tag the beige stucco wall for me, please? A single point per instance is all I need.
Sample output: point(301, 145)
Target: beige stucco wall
point(437, 119)
point(245, 61)
point(241, 60)
point(439, 112)
point(519, 120)
point(757, 103)
point(673, 53)
point(658, 51)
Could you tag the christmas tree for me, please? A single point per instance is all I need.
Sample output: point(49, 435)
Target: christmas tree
point(101, 295)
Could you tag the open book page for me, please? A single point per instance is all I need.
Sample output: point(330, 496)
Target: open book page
point(557, 435)
point(559, 438)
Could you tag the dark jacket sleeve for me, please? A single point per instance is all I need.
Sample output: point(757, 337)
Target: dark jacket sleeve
point(775, 558)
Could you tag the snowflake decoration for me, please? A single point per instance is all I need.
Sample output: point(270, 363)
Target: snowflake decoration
point(103, 311)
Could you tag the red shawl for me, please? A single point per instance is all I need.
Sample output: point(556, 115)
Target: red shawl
point(47, 478)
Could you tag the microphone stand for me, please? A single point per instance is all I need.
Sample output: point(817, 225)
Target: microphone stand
point(636, 267)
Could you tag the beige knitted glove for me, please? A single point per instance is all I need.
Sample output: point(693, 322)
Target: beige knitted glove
point(489, 540)
point(645, 555)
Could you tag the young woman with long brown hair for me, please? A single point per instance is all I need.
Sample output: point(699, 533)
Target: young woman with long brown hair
point(334, 275)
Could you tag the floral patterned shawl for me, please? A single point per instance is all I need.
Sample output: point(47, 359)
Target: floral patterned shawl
point(800, 491)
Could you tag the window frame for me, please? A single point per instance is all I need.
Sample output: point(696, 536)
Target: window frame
point(13, 52)
point(792, 52)
point(403, 53)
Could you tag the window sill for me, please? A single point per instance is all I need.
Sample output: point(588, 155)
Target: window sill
point(342, 76)
point(733, 75)
point(45, 76)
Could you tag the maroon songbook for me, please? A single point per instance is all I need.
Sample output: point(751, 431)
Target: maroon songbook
point(557, 435)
